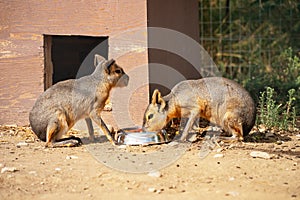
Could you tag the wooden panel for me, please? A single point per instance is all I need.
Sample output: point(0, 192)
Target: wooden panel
point(180, 16)
point(22, 26)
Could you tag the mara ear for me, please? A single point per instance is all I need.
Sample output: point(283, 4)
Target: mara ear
point(107, 65)
point(157, 99)
point(161, 101)
point(98, 59)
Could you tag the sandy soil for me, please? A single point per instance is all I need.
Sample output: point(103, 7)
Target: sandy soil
point(30, 171)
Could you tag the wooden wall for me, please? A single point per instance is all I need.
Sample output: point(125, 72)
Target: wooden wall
point(22, 26)
point(181, 18)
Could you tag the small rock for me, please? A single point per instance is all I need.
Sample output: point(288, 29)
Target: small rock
point(232, 193)
point(219, 155)
point(270, 134)
point(149, 163)
point(173, 143)
point(32, 172)
point(57, 169)
point(172, 187)
point(279, 142)
point(123, 146)
point(219, 150)
point(71, 157)
point(22, 144)
point(193, 138)
point(156, 174)
point(151, 189)
point(260, 154)
point(262, 128)
point(159, 191)
point(11, 126)
point(8, 169)
point(231, 179)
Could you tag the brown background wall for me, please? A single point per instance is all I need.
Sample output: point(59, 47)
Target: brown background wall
point(22, 25)
point(180, 16)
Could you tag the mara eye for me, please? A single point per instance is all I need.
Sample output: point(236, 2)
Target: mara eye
point(118, 71)
point(150, 116)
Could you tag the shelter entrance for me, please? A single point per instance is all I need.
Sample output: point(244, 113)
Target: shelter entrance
point(69, 57)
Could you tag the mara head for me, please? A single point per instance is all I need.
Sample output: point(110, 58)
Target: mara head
point(155, 117)
point(114, 74)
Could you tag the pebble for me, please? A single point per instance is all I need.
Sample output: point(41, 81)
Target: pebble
point(219, 155)
point(173, 143)
point(159, 191)
point(123, 146)
point(172, 187)
point(193, 138)
point(279, 142)
point(57, 169)
point(260, 154)
point(156, 174)
point(33, 173)
point(232, 193)
point(71, 157)
point(149, 163)
point(270, 134)
point(262, 128)
point(22, 144)
point(8, 169)
point(151, 189)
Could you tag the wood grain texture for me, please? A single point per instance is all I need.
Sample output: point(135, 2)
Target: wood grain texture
point(22, 26)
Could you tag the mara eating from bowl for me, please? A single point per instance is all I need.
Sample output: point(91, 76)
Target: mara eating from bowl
point(136, 136)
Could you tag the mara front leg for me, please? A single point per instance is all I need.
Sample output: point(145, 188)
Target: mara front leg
point(191, 119)
point(98, 120)
point(90, 128)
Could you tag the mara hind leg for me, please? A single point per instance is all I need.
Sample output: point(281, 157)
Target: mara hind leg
point(56, 129)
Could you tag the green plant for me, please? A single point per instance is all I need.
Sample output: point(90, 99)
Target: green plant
point(284, 76)
point(289, 114)
point(273, 114)
point(268, 108)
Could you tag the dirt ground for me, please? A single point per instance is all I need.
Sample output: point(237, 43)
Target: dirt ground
point(229, 171)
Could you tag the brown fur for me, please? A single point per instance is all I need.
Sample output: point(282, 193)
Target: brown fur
point(62, 105)
point(221, 101)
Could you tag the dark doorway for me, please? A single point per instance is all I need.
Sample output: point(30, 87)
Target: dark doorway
point(69, 57)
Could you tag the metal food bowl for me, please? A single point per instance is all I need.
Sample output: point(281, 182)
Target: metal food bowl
point(136, 136)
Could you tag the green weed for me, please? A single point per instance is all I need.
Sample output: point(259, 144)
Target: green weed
point(276, 115)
